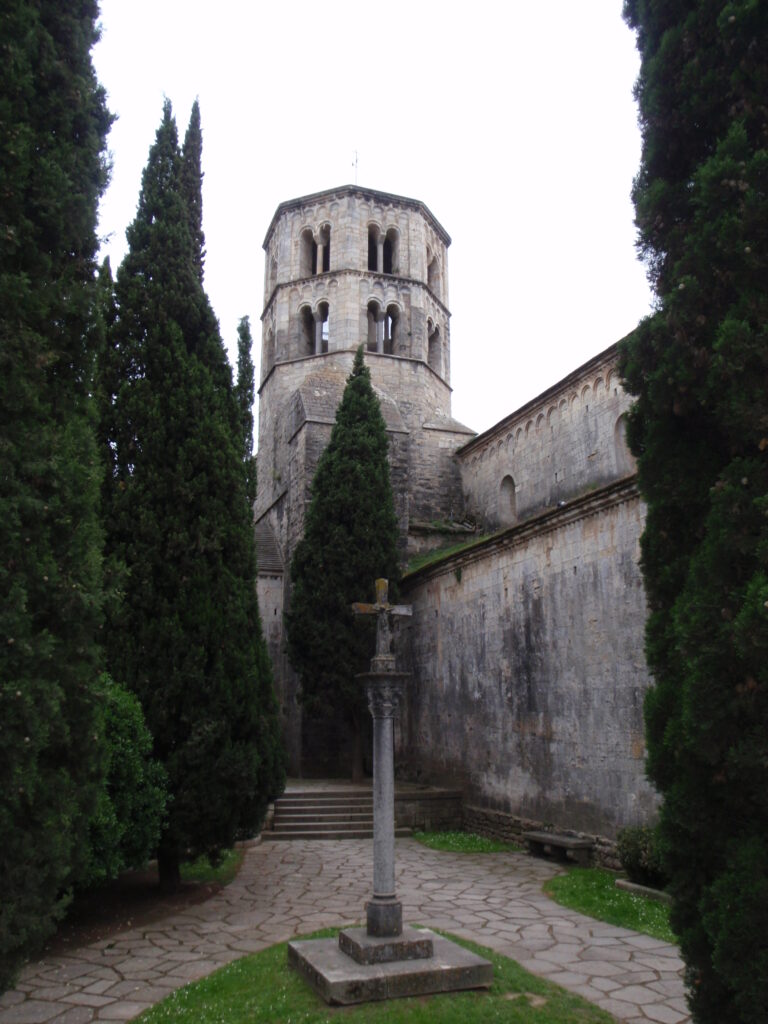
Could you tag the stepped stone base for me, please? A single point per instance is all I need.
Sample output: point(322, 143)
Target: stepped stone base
point(340, 980)
point(410, 944)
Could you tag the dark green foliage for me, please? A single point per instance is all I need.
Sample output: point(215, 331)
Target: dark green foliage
point(640, 856)
point(191, 182)
point(350, 539)
point(245, 393)
point(125, 827)
point(53, 124)
point(186, 636)
point(699, 367)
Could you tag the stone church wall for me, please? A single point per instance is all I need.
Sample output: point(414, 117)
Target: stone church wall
point(565, 442)
point(529, 673)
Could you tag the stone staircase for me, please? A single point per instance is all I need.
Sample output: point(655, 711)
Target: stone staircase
point(313, 814)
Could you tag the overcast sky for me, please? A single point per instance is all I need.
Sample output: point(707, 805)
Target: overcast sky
point(514, 122)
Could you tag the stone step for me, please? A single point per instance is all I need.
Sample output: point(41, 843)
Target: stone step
point(273, 837)
point(364, 792)
point(325, 798)
point(327, 824)
point(332, 815)
point(326, 805)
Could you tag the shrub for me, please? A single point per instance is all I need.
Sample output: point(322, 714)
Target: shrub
point(125, 828)
point(640, 856)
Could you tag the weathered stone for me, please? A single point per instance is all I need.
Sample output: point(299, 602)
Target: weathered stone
point(527, 650)
point(364, 948)
point(341, 980)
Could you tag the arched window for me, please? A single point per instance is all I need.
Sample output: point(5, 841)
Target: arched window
point(433, 272)
point(507, 502)
point(375, 326)
point(625, 460)
point(323, 259)
point(308, 330)
point(391, 328)
point(435, 348)
point(391, 252)
point(321, 329)
point(374, 236)
point(308, 254)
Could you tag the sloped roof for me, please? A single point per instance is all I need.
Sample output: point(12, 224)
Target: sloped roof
point(318, 398)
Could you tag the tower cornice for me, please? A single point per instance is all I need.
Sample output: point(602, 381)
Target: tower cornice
point(344, 191)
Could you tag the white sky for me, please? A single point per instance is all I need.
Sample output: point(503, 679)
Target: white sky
point(514, 122)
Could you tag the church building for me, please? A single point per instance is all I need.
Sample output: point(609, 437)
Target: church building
point(526, 647)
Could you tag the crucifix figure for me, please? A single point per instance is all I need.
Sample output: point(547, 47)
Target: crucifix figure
point(383, 660)
point(384, 912)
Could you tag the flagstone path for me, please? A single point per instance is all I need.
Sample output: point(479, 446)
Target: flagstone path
point(286, 889)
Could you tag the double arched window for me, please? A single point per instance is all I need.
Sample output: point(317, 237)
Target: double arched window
point(383, 250)
point(383, 327)
point(315, 251)
point(315, 329)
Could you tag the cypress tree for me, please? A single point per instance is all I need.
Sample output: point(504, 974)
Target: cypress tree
point(186, 636)
point(350, 540)
point(245, 392)
point(54, 123)
point(699, 369)
point(192, 185)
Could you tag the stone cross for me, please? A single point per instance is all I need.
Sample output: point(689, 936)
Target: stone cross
point(383, 660)
point(384, 912)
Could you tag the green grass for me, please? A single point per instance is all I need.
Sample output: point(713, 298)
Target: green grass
point(463, 842)
point(592, 891)
point(200, 870)
point(261, 988)
point(438, 554)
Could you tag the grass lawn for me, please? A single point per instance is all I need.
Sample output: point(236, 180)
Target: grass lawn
point(464, 842)
point(260, 988)
point(591, 891)
point(200, 870)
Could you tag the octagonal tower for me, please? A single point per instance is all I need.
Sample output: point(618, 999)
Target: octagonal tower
point(346, 267)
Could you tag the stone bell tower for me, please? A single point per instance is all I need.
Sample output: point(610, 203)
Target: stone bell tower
point(346, 267)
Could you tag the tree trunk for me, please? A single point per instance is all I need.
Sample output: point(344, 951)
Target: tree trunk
point(169, 870)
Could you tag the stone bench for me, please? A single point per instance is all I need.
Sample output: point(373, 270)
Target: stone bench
point(564, 847)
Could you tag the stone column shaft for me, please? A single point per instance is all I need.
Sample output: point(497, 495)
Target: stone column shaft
point(384, 804)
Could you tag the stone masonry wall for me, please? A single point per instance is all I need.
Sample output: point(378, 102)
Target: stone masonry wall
point(529, 673)
point(423, 437)
point(565, 442)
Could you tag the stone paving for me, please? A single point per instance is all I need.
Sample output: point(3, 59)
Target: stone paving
point(286, 889)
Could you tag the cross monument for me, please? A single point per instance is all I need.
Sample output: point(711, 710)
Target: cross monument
point(384, 913)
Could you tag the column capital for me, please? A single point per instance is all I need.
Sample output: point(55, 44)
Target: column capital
point(384, 697)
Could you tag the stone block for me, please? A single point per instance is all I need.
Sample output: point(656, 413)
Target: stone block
point(411, 944)
point(340, 980)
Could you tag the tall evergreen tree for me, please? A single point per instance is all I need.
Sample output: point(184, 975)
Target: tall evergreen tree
point(54, 123)
point(192, 185)
point(245, 392)
point(186, 637)
point(699, 368)
point(350, 540)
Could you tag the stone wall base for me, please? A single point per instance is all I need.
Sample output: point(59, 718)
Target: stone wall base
point(510, 827)
point(431, 811)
